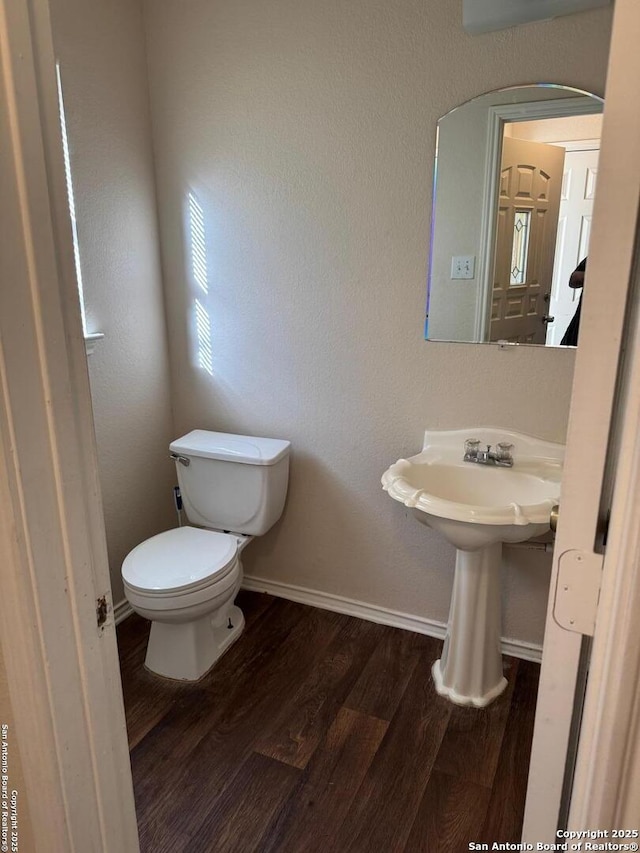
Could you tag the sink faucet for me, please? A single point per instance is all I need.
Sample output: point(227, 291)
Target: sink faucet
point(502, 456)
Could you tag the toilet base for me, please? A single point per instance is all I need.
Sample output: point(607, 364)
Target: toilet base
point(186, 651)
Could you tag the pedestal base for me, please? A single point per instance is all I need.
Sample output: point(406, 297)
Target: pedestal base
point(470, 669)
point(460, 699)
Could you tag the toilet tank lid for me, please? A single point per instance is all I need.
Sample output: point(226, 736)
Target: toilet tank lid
point(232, 448)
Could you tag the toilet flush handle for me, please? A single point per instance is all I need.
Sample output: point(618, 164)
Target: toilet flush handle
point(183, 460)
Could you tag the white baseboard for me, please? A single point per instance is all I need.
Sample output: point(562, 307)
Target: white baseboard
point(375, 613)
point(122, 611)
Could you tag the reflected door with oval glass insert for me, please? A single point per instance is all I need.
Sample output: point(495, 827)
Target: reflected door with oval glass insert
point(528, 207)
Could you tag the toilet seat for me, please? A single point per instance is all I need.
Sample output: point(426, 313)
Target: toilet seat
point(180, 562)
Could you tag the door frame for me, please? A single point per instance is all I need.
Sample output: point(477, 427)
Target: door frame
point(57, 630)
point(603, 439)
point(497, 117)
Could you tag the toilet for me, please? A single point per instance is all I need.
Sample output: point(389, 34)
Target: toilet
point(233, 487)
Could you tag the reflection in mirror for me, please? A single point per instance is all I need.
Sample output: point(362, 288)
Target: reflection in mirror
point(514, 185)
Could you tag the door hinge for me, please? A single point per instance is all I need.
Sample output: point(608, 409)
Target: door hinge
point(102, 610)
point(578, 591)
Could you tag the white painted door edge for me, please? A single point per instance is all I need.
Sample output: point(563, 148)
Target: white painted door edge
point(607, 778)
point(62, 667)
point(611, 260)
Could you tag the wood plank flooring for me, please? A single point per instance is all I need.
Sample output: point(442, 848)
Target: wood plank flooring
point(321, 732)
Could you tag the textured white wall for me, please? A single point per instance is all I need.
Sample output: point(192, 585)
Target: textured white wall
point(307, 131)
point(100, 46)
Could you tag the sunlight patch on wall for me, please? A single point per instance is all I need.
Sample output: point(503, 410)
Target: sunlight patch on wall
point(198, 247)
point(203, 331)
point(199, 275)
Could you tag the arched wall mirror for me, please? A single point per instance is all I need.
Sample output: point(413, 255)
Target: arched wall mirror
point(514, 182)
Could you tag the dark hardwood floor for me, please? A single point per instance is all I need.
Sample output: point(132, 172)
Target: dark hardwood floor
point(321, 732)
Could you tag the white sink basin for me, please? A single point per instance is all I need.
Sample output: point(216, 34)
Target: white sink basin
point(477, 507)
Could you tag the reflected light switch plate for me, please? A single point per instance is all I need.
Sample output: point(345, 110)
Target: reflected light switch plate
point(463, 266)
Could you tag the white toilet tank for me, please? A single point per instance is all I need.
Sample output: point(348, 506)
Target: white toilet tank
point(236, 483)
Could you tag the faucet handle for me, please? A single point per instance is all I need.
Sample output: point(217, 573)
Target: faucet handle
point(471, 447)
point(504, 450)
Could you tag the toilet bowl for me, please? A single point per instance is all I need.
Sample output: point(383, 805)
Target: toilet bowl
point(185, 580)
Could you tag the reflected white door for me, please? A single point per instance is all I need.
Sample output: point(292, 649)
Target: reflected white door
point(528, 207)
point(574, 229)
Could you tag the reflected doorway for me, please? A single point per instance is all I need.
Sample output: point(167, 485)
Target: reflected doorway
point(546, 188)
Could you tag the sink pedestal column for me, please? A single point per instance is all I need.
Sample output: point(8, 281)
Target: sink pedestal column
point(470, 669)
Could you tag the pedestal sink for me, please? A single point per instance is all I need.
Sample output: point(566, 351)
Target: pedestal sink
point(477, 507)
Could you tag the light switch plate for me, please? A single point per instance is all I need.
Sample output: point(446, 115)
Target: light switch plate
point(463, 266)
